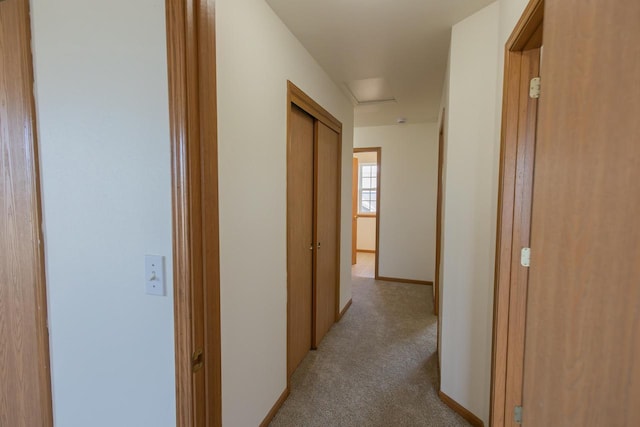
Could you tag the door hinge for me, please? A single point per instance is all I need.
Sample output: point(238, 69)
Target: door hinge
point(517, 414)
point(525, 257)
point(534, 88)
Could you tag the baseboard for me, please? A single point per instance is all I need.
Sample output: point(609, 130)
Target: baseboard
point(368, 251)
point(344, 310)
point(276, 407)
point(414, 282)
point(464, 412)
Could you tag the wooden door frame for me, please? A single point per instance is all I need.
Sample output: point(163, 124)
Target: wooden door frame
point(354, 210)
point(436, 281)
point(526, 36)
point(191, 59)
point(295, 96)
point(378, 151)
point(32, 162)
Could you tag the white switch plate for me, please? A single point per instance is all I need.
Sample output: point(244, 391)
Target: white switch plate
point(154, 274)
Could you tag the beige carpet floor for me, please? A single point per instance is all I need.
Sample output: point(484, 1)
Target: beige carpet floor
point(377, 367)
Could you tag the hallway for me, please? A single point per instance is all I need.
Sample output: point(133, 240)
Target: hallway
point(376, 367)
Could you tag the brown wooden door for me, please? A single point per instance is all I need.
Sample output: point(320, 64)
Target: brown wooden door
point(25, 389)
point(525, 163)
point(354, 212)
point(582, 350)
point(327, 193)
point(300, 178)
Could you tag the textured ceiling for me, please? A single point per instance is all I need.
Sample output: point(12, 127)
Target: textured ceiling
point(404, 42)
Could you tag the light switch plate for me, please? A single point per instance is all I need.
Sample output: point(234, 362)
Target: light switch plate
point(154, 274)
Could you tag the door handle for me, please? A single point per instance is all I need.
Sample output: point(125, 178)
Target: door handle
point(196, 360)
point(318, 245)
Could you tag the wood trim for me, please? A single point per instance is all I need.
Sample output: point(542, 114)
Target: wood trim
point(526, 36)
point(339, 227)
point(464, 412)
point(344, 310)
point(367, 215)
point(23, 180)
point(368, 251)
point(527, 28)
point(276, 407)
point(436, 287)
point(378, 151)
point(305, 102)
point(193, 119)
point(437, 310)
point(399, 280)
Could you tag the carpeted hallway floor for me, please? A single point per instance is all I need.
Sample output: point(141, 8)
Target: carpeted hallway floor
point(376, 367)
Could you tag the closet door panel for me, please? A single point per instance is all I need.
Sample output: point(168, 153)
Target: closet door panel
point(327, 216)
point(300, 178)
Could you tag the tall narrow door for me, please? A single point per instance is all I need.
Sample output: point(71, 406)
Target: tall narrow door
point(582, 351)
point(300, 183)
point(327, 216)
point(25, 389)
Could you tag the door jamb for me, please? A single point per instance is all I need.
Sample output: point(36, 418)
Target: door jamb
point(191, 61)
point(527, 35)
point(436, 281)
point(378, 151)
point(40, 287)
point(296, 96)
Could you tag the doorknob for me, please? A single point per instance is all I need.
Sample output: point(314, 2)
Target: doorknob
point(196, 360)
point(311, 247)
point(318, 245)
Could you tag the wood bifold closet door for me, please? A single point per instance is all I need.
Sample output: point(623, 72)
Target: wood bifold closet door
point(25, 390)
point(300, 179)
point(312, 242)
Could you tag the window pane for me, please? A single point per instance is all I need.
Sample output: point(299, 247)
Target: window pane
point(367, 190)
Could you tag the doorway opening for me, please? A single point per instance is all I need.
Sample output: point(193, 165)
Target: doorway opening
point(365, 210)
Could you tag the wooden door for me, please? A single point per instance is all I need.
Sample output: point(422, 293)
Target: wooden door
point(25, 385)
point(300, 178)
point(327, 217)
point(522, 203)
point(354, 212)
point(582, 351)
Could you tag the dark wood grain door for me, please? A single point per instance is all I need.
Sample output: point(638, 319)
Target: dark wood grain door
point(25, 389)
point(300, 176)
point(327, 217)
point(582, 348)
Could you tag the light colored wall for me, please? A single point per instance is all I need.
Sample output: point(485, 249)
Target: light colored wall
point(470, 216)
point(101, 95)
point(472, 149)
point(409, 168)
point(443, 120)
point(256, 55)
point(366, 239)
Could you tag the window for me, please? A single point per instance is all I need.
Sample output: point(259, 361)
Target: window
point(367, 188)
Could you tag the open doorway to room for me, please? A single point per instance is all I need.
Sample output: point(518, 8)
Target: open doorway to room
point(366, 211)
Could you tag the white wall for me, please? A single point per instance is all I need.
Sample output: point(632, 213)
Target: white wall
point(366, 238)
point(409, 174)
point(470, 212)
point(102, 109)
point(472, 149)
point(256, 55)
